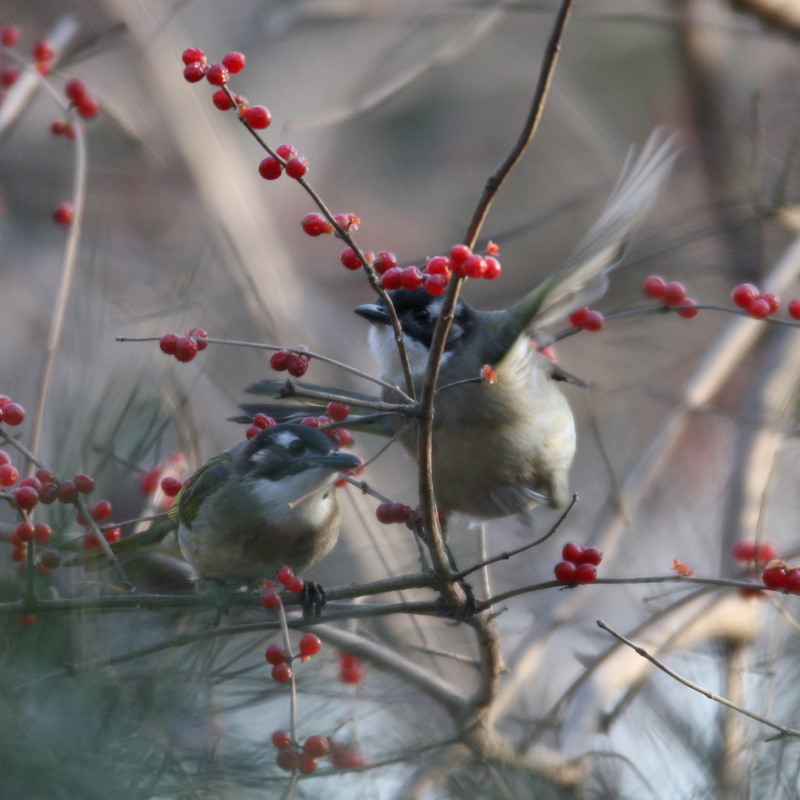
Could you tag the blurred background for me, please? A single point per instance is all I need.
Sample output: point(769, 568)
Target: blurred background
point(687, 432)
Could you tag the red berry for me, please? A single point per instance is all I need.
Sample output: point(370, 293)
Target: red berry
point(674, 292)
point(9, 75)
point(87, 107)
point(284, 574)
point(688, 313)
point(410, 278)
point(435, 285)
point(386, 260)
point(19, 553)
point(100, 510)
point(653, 287)
point(113, 534)
point(270, 598)
point(392, 278)
point(296, 167)
point(744, 294)
point(5, 458)
point(572, 552)
point(9, 474)
point(24, 531)
point(13, 414)
point(586, 573)
point(744, 550)
point(794, 309)
point(347, 758)
point(493, 268)
point(772, 300)
point(307, 764)
point(200, 336)
point(275, 654)
point(774, 577)
point(32, 481)
point(217, 75)
point(474, 266)
point(766, 552)
point(84, 483)
point(221, 100)
point(171, 486)
point(316, 746)
point(315, 224)
point(26, 619)
point(348, 222)
point(281, 739)
point(186, 348)
point(270, 168)
point(258, 117)
point(282, 673)
point(234, 62)
point(263, 421)
point(384, 513)
point(66, 492)
point(280, 360)
point(63, 213)
point(297, 365)
point(350, 259)
point(169, 343)
point(148, 482)
point(74, 89)
point(195, 71)
point(42, 533)
point(338, 412)
point(311, 422)
point(43, 51)
point(593, 321)
point(286, 151)
point(591, 555)
point(400, 513)
point(759, 309)
point(48, 493)
point(565, 572)
point(252, 431)
point(792, 584)
point(310, 645)
point(50, 558)
point(26, 497)
point(577, 317)
point(9, 35)
point(458, 255)
point(288, 759)
point(192, 54)
point(438, 265)
point(295, 584)
point(350, 670)
point(44, 475)
point(44, 571)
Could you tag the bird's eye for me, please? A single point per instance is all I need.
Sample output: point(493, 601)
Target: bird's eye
point(423, 315)
point(296, 447)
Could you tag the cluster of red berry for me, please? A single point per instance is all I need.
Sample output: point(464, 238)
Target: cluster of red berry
point(11, 413)
point(42, 53)
point(296, 364)
point(305, 758)
point(315, 224)
point(777, 575)
point(184, 348)
point(760, 304)
point(255, 117)
point(671, 294)
point(587, 319)
point(271, 598)
point(579, 565)
point(150, 480)
point(276, 655)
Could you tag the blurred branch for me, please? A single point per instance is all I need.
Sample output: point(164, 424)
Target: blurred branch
point(782, 15)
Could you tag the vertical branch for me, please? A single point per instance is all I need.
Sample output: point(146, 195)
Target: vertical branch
point(64, 287)
point(495, 181)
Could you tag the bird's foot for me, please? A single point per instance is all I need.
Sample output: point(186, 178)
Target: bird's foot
point(312, 600)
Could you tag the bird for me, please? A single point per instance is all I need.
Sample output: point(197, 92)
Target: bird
point(265, 503)
point(502, 447)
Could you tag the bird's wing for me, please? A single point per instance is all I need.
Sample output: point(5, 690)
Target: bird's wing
point(584, 276)
point(201, 486)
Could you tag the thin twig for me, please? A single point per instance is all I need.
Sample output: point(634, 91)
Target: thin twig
point(706, 692)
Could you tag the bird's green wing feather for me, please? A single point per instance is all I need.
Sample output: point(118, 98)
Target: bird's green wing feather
point(201, 486)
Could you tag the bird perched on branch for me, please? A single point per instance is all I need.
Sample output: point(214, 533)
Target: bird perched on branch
point(502, 447)
point(263, 504)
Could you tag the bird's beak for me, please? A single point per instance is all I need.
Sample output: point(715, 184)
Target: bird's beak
point(335, 462)
point(374, 313)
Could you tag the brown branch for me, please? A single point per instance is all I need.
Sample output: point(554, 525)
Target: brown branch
point(695, 687)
